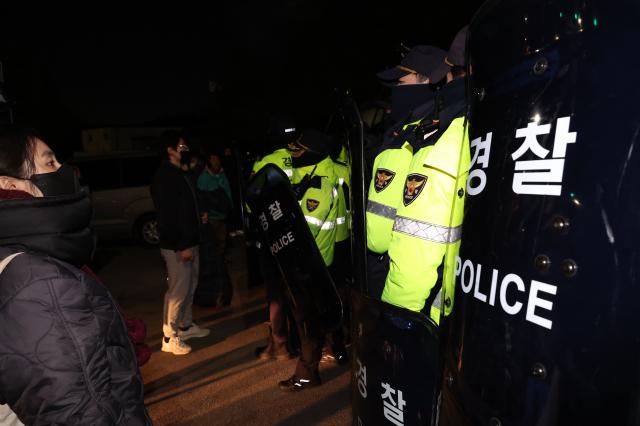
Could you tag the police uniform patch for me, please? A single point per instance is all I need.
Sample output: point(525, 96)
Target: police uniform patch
point(383, 179)
point(312, 204)
point(414, 185)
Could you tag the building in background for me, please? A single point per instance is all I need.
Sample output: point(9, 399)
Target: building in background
point(105, 140)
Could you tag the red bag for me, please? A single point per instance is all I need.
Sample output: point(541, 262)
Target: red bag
point(136, 329)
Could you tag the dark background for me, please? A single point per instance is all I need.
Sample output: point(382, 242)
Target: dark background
point(223, 67)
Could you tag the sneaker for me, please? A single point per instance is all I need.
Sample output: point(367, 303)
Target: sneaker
point(193, 331)
point(295, 384)
point(175, 345)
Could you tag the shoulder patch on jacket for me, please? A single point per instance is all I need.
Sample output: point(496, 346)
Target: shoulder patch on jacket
point(414, 185)
point(312, 204)
point(383, 179)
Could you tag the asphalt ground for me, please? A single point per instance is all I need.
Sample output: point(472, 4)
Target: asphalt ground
point(220, 382)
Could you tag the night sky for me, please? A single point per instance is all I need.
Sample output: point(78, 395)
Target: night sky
point(224, 68)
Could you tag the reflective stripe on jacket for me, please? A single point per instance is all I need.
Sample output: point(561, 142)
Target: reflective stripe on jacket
point(343, 220)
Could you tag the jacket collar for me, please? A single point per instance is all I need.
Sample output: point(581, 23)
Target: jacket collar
point(54, 226)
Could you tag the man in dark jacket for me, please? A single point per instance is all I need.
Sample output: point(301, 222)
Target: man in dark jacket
point(175, 200)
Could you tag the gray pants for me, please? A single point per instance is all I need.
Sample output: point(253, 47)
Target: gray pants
point(182, 281)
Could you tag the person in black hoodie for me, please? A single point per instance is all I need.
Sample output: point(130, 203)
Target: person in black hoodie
point(175, 199)
point(65, 356)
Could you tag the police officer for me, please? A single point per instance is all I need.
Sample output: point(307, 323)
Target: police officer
point(428, 223)
point(414, 108)
point(335, 350)
point(315, 184)
point(281, 132)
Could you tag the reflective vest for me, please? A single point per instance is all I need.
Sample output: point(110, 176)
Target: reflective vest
point(280, 157)
point(343, 220)
point(428, 224)
point(320, 204)
point(385, 190)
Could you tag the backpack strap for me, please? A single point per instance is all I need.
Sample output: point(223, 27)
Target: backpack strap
point(7, 416)
point(7, 260)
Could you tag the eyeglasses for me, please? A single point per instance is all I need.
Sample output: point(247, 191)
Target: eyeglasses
point(293, 147)
point(182, 147)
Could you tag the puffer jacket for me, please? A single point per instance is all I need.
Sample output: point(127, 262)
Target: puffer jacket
point(65, 356)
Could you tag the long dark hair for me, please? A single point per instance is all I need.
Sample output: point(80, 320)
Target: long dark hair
point(17, 151)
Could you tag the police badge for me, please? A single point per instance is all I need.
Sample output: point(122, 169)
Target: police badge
point(312, 204)
point(383, 179)
point(413, 187)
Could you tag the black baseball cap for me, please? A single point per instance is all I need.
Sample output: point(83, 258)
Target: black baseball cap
point(422, 59)
point(457, 50)
point(313, 141)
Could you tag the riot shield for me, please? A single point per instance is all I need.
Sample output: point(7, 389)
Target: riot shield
point(351, 116)
point(399, 347)
point(546, 326)
point(285, 232)
point(394, 352)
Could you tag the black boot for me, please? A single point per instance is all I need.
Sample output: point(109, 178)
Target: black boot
point(295, 384)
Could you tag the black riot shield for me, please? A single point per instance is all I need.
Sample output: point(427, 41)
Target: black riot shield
point(286, 234)
point(548, 280)
point(351, 116)
point(394, 352)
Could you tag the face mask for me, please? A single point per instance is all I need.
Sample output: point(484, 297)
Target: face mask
point(185, 158)
point(61, 182)
point(406, 97)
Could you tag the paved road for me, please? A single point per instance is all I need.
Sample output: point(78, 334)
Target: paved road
point(220, 382)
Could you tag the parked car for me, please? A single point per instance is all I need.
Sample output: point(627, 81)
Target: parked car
point(119, 185)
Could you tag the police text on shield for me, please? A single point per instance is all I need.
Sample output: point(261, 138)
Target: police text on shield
point(511, 288)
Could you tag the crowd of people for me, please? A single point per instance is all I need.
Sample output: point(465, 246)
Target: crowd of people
point(65, 353)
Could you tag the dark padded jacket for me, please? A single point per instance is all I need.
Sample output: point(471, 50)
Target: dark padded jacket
point(65, 357)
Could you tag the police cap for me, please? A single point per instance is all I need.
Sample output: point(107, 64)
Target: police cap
point(313, 141)
point(425, 60)
point(457, 50)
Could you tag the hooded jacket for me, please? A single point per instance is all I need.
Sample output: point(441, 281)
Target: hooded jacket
point(65, 357)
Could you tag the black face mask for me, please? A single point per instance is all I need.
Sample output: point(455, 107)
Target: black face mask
point(185, 158)
point(63, 181)
point(406, 97)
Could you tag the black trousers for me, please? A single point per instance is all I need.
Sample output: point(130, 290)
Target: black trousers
point(311, 342)
point(341, 273)
point(377, 270)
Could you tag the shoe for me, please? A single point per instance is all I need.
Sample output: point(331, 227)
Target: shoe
point(193, 331)
point(264, 352)
point(277, 351)
point(328, 358)
point(295, 384)
point(331, 357)
point(175, 345)
point(280, 351)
